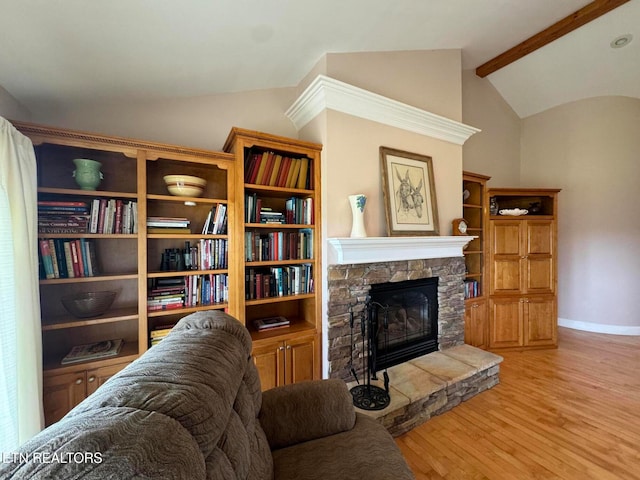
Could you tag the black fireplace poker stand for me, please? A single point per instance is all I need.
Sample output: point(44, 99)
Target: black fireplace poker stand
point(367, 396)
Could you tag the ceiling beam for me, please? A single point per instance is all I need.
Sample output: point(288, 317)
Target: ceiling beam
point(567, 24)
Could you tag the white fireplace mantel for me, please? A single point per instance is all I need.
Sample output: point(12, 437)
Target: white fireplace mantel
point(346, 250)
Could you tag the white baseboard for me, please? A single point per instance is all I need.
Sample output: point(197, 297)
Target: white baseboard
point(599, 327)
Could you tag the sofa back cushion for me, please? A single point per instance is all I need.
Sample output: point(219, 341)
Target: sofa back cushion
point(305, 411)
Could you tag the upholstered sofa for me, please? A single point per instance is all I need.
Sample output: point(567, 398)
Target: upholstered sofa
point(191, 408)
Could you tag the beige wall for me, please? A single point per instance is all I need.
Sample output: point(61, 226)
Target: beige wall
point(495, 151)
point(200, 122)
point(11, 109)
point(589, 148)
point(354, 167)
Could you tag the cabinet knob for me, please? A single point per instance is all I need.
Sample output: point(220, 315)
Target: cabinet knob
point(78, 381)
point(281, 348)
point(288, 347)
point(92, 378)
point(475, 305)
point(522, 300)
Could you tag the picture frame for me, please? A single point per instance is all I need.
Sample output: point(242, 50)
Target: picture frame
point(409, 193)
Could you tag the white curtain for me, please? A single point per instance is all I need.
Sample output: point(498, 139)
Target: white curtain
point(21, 414)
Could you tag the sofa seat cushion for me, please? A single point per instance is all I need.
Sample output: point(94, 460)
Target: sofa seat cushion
point(111, 442)
point(366, 451)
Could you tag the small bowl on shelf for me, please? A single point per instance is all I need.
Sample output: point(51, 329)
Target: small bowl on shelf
point(88, 304)
point(185, 185)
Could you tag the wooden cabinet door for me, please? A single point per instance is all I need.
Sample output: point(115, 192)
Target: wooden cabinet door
point(540, 321)
point(505, 322)
point(300, 363)
point(476, 326)
point(269, 360)
point(505, 261)
point(538, 251)
point(61, 393)
point(97, 376)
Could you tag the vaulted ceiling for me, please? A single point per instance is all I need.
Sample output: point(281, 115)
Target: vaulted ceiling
point(74, 50)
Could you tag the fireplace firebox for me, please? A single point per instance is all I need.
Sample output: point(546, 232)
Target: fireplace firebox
point(404, 321)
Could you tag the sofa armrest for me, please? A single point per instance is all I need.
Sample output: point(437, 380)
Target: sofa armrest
point(305, 411)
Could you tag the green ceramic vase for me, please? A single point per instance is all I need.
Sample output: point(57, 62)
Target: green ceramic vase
point(87, 173)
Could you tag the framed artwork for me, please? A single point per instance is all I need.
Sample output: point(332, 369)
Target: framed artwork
point(409, 193)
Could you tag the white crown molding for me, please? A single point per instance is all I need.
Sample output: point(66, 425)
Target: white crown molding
point(348, 250)
point(599, 327)
point(328, 93)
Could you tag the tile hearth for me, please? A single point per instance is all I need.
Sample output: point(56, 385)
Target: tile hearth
point(433, 384)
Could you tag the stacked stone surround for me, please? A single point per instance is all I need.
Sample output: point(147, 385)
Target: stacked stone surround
point(348, 288)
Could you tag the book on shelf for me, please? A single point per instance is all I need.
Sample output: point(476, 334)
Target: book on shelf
point(173, 222)
point(181, 230)
point(93, 351)
point(270, 322)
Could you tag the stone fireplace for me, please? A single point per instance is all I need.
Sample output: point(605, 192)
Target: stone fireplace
point(352, 275)
point(430, 384)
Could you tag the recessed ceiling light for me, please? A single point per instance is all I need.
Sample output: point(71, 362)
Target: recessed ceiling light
point(621, 41)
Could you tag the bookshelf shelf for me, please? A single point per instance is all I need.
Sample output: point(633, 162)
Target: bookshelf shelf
point(128, 353)
point(111, 316)
point(184, 311)
point(87, 193)
point(271, 263)
point(178, 199)
point(184, 273)
point(282, 332)
point(278, 226)
point(285, 298)
point(279, 191)
point(97, 278)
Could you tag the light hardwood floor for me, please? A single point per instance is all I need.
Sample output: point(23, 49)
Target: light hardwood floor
point(570, 413)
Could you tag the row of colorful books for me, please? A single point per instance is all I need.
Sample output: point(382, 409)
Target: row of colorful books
point(67, 258)
point(100, 215)
point(273, 169)
point(207, 254)
point(279, 245)
point(278, 281)
point(188, 291)
point(471, 288)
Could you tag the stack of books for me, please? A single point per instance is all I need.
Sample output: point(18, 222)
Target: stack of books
point(166, 293)
point(93, 351)
point(267, 215)
point(63, 217)
point(270, 322)
point(168, 225)
point(159, 333)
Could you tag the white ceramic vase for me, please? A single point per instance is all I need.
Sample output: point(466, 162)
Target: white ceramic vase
point(358, 202)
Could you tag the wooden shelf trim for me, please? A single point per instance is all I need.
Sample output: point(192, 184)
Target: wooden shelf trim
point(87, 193)
point(111, 316)
point(285, 298)
point(277, 226)
point(178, 199)
point(184, 311)
point(184, 273)
point(96, 278)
